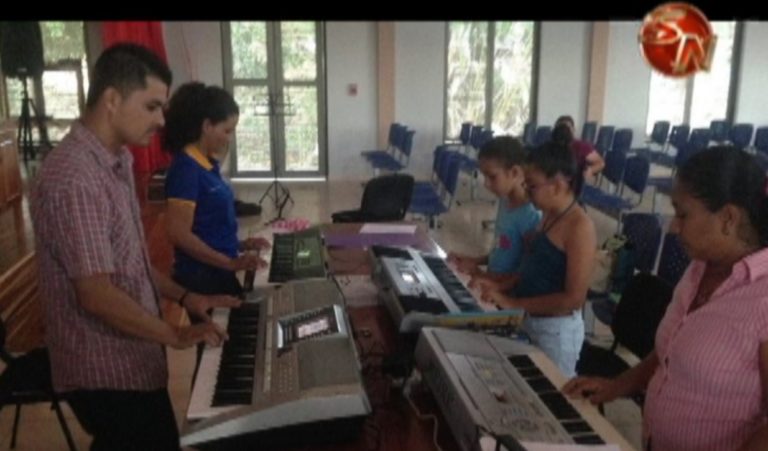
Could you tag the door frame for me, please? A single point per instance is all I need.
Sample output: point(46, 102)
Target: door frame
point(276, 86)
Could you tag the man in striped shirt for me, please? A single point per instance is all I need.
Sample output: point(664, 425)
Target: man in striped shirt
point(100, 294)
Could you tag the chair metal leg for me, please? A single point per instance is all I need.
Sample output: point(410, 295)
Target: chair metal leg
point(15, 425)
point(67, 435)
point(472, 186)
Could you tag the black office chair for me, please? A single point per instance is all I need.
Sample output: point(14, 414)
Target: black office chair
point(643, 232)
point(643, 304)
point(386, 198)
point(27, 380)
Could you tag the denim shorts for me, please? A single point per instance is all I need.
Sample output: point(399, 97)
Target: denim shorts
point(559, 337)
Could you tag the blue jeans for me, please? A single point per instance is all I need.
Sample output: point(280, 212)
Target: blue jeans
point(559, 337)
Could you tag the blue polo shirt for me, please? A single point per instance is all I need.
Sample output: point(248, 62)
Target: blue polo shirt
point(195, 179)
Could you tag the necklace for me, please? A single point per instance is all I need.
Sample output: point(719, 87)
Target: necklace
point(546, 227)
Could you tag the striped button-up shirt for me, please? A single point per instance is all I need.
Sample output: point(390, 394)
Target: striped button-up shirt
point(706, 393)
point(87, 222)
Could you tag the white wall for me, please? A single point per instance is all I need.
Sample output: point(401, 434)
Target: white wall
point(194, 52)
point(351, 58)
point(627, 82)
point(563, 71)
point(752, 94)
point(420, 88)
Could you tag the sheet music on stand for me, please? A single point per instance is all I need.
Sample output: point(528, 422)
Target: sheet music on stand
point(489, 444)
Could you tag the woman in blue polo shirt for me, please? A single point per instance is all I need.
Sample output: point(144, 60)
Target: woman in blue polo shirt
point(201, 220)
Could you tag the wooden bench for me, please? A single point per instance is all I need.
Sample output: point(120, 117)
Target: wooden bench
point(20, 306)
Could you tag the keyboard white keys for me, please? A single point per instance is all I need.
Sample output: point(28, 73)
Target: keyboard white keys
point(226, 378)
point(201, 398)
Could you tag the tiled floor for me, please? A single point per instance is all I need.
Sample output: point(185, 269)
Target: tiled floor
point(461, 231)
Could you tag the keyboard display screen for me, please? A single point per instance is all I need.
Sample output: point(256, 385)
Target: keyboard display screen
point(312, 328)
point(297, 256)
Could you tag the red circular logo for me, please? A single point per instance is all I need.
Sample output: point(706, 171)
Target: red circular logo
point(676, 39)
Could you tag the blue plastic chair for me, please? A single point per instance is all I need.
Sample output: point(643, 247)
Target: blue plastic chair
point(398, 134)
point(659, 133)
point(474, 136)
point(402, 158)
point(471, 166)
point(622, 140)
point(678, 138)
point(634, 178)
point(432, 207)
point(761, 147)
point(466, 129)
point(658, 137)
point(673, 260)
point(589, 131)
point(643, 231)
point(392, 140)
point(543, 134)
point(719, 131)
point(432, 188)
point(698, 141)
point(741, 135)
point(529, 133)
point(614, 168)
point(604, 139)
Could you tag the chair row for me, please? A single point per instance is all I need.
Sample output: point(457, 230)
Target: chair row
point(630, 169)
point(471, 139)
point(397, 154)
point(534, 135)
point(389, 197)
point(435, 197)
point(644, 236)
point(643, 232)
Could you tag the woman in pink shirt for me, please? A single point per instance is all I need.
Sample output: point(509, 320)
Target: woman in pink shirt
point(586, 155)
point(706, 381)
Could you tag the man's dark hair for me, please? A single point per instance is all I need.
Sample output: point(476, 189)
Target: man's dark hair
point(125, 67)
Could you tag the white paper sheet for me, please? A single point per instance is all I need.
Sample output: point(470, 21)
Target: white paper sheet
point(408, 229)
point(359, 290)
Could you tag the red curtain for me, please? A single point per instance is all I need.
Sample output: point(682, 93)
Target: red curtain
point(150, 35)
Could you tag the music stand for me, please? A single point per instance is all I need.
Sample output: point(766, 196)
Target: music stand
point(280, 197)
point(281, 194)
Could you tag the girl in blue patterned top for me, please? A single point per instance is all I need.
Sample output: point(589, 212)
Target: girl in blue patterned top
point(552, 280)
point(501, 162)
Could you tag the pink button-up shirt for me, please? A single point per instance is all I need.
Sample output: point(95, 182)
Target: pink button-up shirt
point(706, 393)
point(87, 222)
